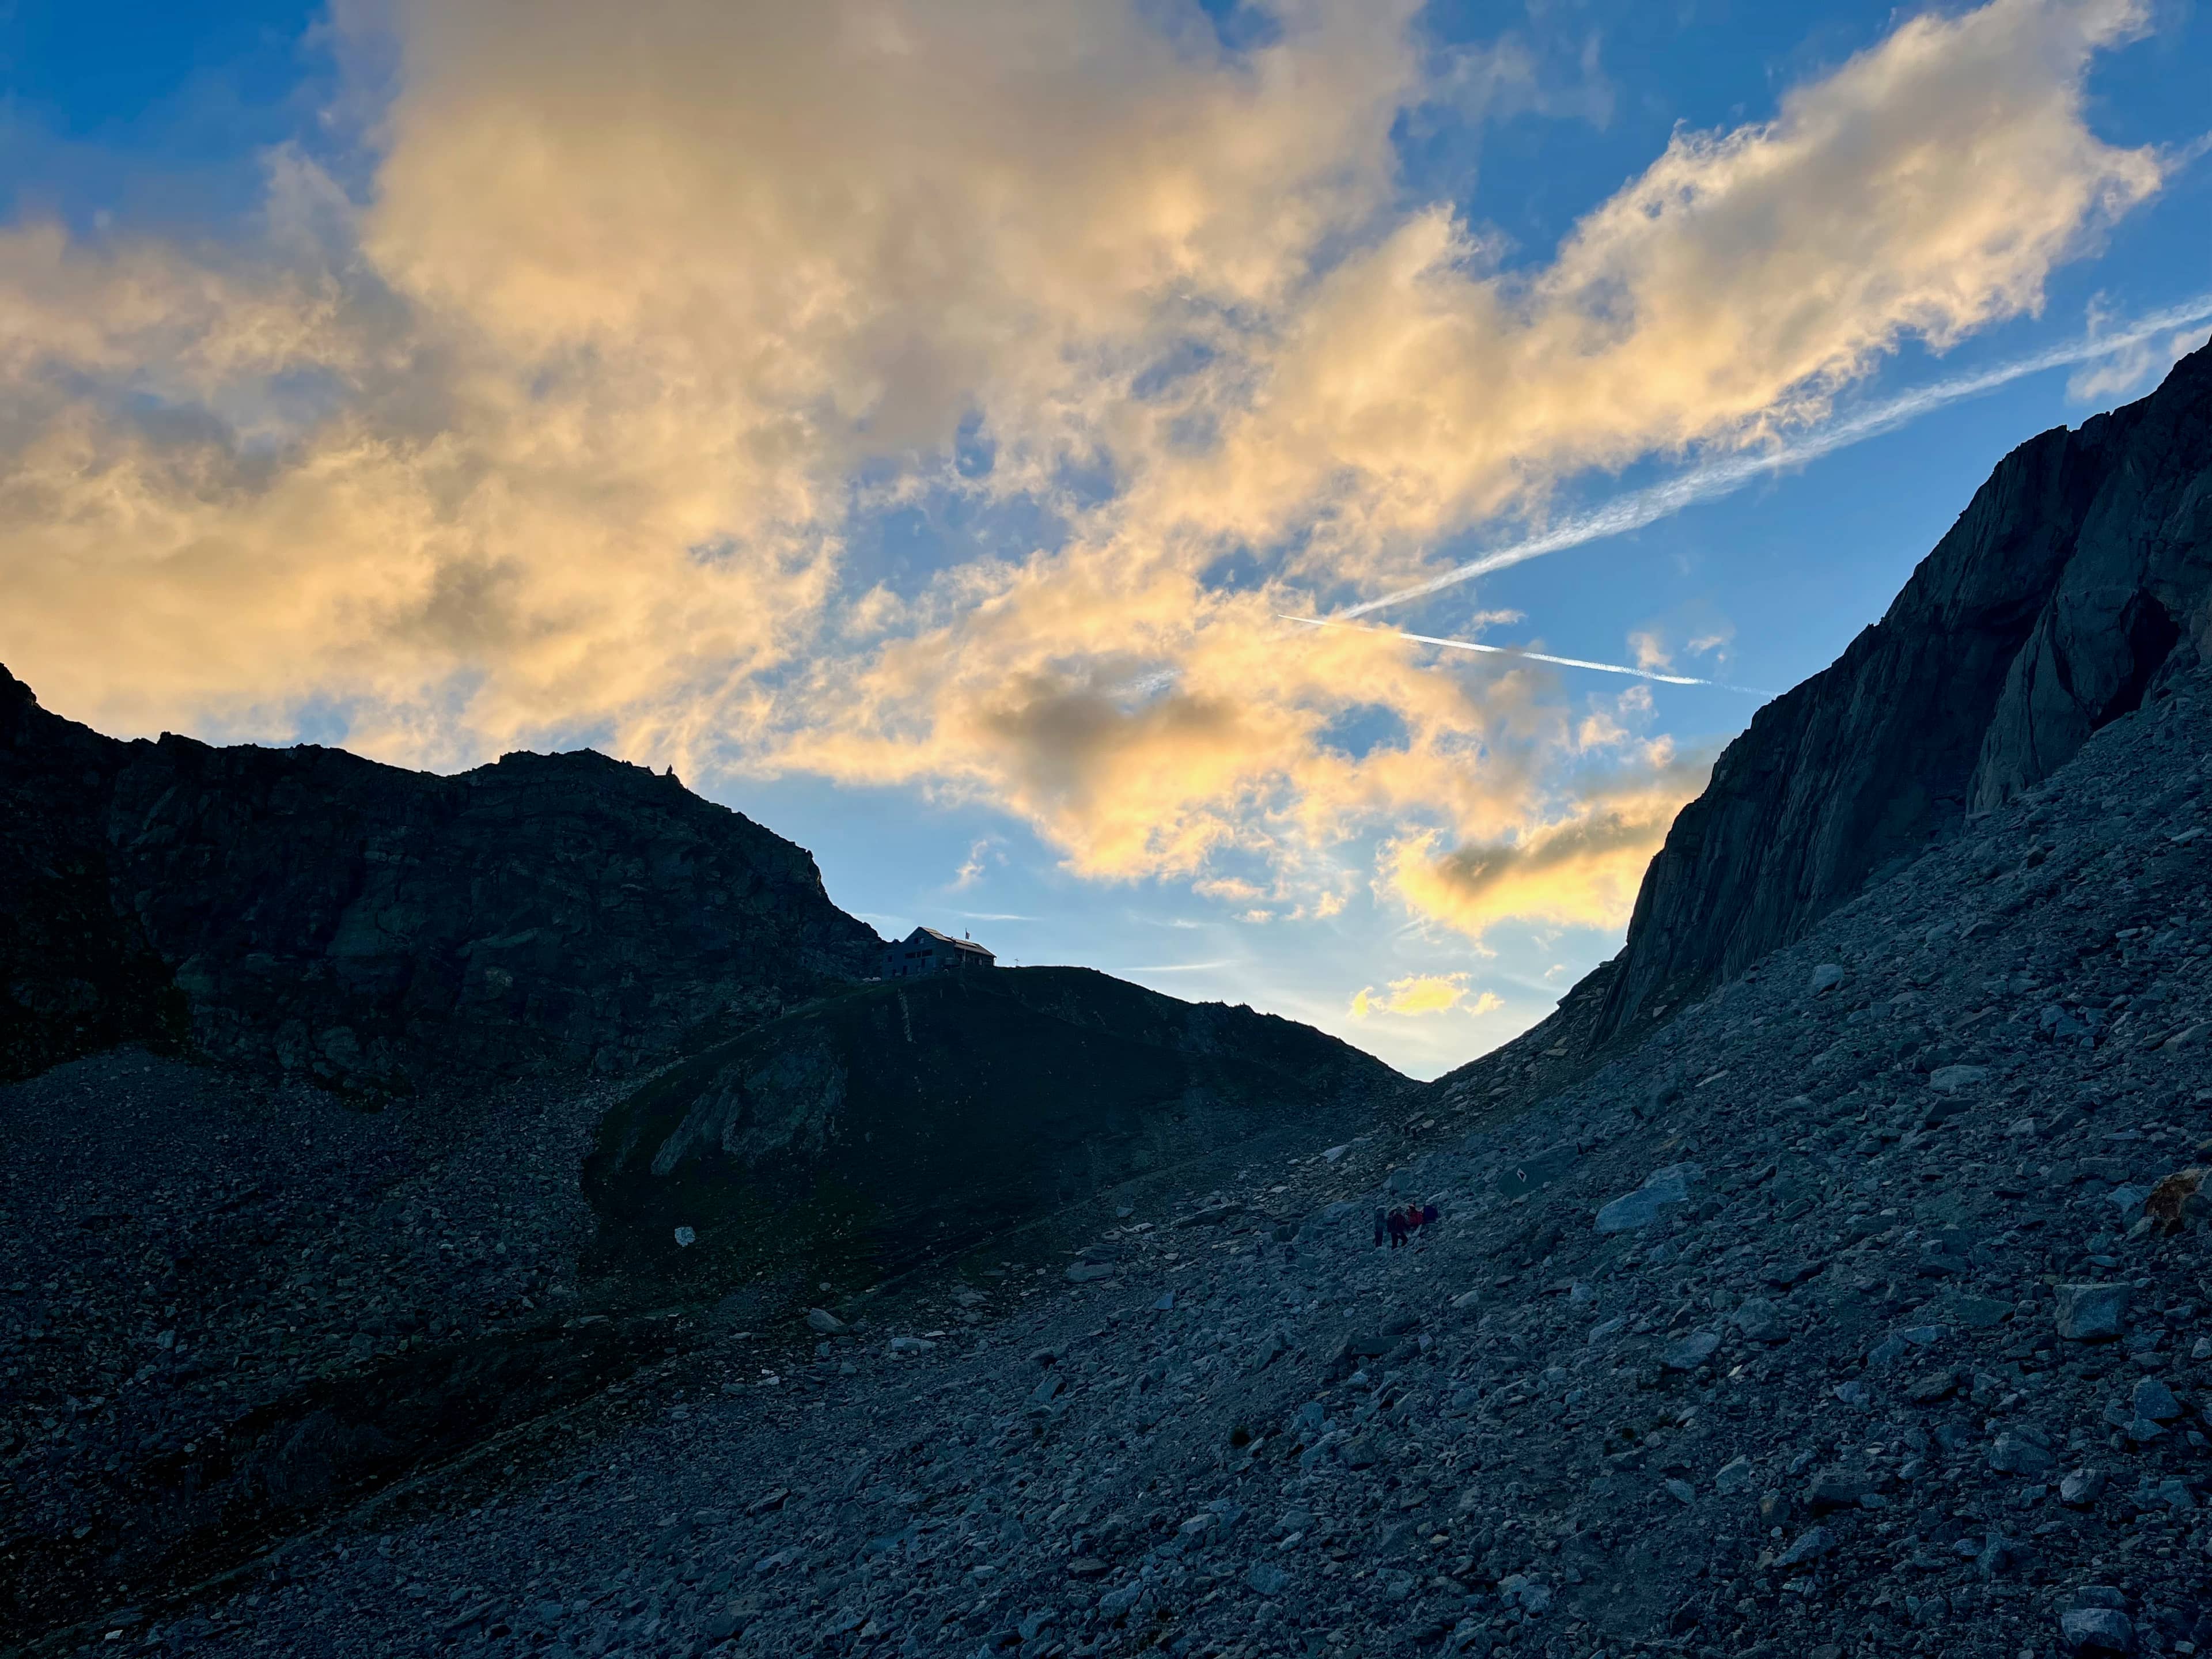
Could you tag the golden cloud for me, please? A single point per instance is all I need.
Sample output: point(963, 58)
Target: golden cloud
point(559, 430)
point(1425, 993)
point(1581, 870)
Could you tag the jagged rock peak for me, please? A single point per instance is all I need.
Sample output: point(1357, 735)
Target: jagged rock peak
point(2077, 577)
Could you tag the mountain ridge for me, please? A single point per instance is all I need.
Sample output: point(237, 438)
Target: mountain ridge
point(307, 914)
point(2048, 610)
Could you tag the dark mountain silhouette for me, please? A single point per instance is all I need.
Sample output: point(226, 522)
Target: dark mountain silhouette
point(303, 913)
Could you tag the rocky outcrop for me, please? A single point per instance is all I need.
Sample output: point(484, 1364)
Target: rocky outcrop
point(305, 911)
point(2080, 571)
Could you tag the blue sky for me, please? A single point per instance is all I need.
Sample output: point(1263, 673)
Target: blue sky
point(912, 424)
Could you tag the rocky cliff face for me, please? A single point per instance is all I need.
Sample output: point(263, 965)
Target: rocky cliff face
point(308, 913)
point(2080, 571)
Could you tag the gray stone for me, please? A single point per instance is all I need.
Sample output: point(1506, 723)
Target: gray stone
point(1826, 977)
point(2082, 1488)
point(1930, 1386)
point(821, 1319)
point(1736, 1475)
point(1978, 1313)
point(2000, 1555)
point(1266, 1579)
point(2174, 1493)
point(2014, 1453)
point(1788, 1274)
point(1519, 1590)
point(2091, 1313)
point(1538, 1170)
point(1809, 1545)
point(2153, 1400)
point(1084, 1272)
point(1119, 1600)
point(2141, 1430)
point(1692, 1350)
point(1952, 1079)
point(2096, 1630)
point(1886, 1353)
point(2128, 1200)
point(1759, 1320)
point(1643, 1206)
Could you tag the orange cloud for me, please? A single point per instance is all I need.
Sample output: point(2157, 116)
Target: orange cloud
point(560, 431)
point(1425, 993)
point(1579, 870)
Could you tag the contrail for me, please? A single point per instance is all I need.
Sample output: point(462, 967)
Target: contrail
point(1644, 506)
point(1516, 651)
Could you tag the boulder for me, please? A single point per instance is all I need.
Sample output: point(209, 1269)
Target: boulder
point(1760, 1321)
point(1736, 1475)
point(2091, 1313)
point(2096, 1631)
point(1640, 1208)
point(2014, 1453)
point(2153, 1400)
point(1809, 1546)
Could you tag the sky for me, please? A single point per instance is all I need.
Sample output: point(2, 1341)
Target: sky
point(1281, 503)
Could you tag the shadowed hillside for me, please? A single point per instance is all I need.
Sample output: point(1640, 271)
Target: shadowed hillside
point(893, 1123)
point(303, 913)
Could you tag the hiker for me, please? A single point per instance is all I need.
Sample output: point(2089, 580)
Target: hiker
point(1397, 1225)
point(1429, 1215)
point(1378, 1229)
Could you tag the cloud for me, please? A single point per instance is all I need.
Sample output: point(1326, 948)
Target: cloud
point(1425, 993)
point(2132, 368)
point(1713, 479)
point(1924, 188)
point(564, 426)
point(982, 853)
point(1581, 870)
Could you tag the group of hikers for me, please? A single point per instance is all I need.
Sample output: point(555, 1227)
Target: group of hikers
point(1400, 1223)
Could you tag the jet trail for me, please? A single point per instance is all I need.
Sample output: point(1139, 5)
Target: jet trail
point(1705, 483)
point(1531, 656)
